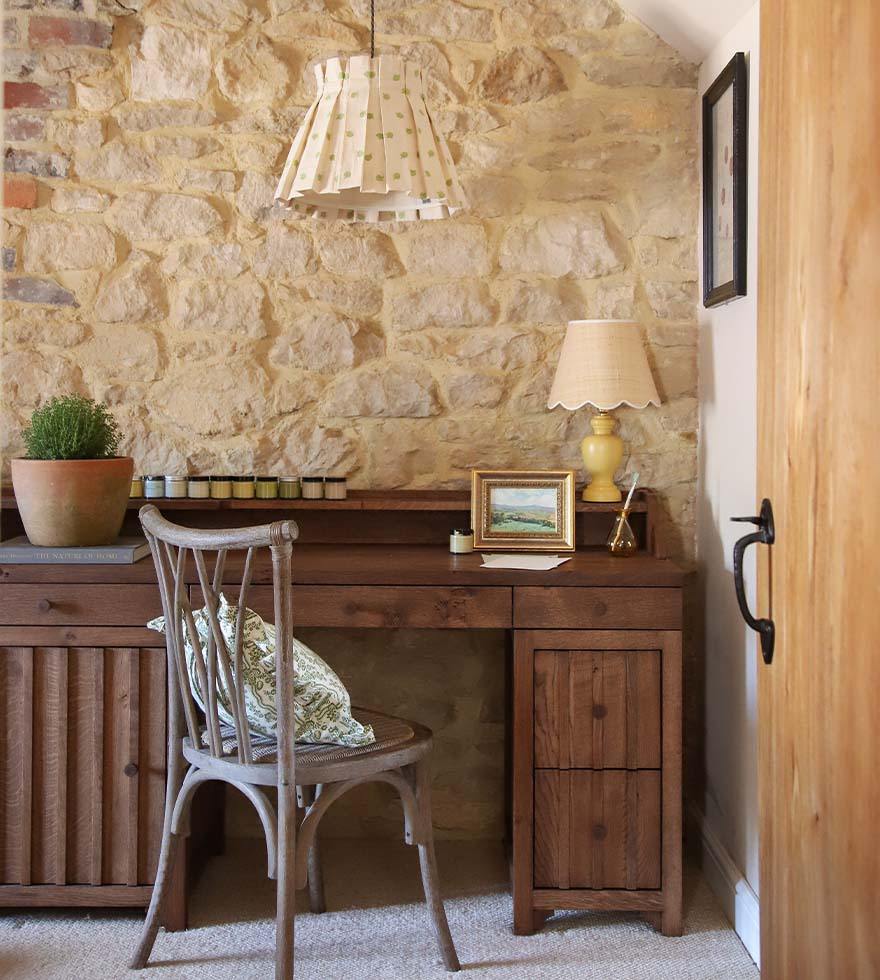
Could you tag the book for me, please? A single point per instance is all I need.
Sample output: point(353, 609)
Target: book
point(123, 551)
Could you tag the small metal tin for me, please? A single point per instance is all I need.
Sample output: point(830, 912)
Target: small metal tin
point(289, 488)
point(243, 487)
point(198, 487)
point(461, 541)
point(137, 486)
point(154, 486)
point(312, 487)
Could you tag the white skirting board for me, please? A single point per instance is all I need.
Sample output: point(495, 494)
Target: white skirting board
point(737, 897)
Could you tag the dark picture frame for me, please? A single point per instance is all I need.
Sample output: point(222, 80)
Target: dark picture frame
point(725, 183)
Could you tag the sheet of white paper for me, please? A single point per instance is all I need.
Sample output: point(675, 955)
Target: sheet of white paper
point(535, 563)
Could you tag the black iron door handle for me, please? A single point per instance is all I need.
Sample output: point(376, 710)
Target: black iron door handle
point(766, 534)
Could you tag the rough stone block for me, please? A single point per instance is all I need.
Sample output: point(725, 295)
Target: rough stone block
point(25, 289)
point(62, 245)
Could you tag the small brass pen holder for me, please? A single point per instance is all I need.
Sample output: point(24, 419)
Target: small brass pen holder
point(621, 541)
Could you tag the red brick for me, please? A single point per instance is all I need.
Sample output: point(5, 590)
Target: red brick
point(65, 30)
point(19, 192)
point(29, 95)
point(24, 127)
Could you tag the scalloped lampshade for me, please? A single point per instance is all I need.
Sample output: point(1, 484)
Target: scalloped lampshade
point(603, 363)
point(368, 149)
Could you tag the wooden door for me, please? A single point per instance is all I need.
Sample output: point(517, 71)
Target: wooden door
point(819, 463)
point(82, 769)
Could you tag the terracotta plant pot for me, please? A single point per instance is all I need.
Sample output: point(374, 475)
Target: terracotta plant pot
point(72, 502)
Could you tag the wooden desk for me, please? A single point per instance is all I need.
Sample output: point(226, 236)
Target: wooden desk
point(595, 696)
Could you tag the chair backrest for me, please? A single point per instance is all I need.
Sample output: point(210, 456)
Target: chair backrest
point(172, 546)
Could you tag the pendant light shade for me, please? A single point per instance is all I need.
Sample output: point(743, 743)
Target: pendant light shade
point(367, 149)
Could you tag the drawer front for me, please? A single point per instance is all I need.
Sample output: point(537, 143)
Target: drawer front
point(90, 605)
point(597, 709)
point(535, 607)
point(389, 607)
point(597, 829)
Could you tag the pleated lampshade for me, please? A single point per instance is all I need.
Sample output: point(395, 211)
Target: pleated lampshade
point(603, 363)
point(368, 149)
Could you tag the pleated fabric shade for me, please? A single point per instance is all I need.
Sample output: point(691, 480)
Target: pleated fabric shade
point(367, 149)
point(603, 363)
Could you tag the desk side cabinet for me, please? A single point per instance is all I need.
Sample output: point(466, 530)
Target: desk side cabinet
point(597, 774)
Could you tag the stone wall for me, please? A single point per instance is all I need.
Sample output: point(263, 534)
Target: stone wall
point(145, 264)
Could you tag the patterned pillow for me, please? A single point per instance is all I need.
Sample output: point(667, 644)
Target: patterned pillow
point(322, 707)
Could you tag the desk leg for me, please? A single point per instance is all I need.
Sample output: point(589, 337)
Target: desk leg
point(524, 923)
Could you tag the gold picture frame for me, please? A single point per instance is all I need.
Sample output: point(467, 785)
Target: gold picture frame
point(523, 510)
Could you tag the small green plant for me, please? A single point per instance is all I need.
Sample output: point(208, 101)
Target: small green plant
point(71, 427)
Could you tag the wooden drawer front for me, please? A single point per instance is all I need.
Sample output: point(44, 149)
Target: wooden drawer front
point(597, 829)
point(597, 709)
point(82, 764)
point(91, 605)
point(588, 608)
point(389, 606)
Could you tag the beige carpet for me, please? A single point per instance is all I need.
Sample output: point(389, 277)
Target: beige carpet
point(376, 929)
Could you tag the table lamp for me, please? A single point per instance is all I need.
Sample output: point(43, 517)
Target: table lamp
point(602, 363)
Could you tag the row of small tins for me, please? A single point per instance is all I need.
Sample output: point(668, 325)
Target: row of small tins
point(240, 487)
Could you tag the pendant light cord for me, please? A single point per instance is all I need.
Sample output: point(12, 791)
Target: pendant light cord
point(372, 28)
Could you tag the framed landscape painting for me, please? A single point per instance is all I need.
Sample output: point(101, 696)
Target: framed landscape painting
point(523, 510)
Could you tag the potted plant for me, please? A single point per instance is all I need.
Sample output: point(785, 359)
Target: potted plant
point(72, 488)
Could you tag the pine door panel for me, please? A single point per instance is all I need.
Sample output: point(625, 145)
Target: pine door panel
point(82, 764)
point(818, 371)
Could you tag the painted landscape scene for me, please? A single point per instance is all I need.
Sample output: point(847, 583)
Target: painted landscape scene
point(522, 510)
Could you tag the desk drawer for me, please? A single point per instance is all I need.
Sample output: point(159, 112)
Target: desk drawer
point(88, 605)
point(536, 607)
point(597, 709)
point(597, 829)
point(390, 607)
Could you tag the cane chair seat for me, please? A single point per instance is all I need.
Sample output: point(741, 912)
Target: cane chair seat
point(407, 741)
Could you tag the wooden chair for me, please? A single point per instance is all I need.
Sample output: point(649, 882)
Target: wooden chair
point(314, 775)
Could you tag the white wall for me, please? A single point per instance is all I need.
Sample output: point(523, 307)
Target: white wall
point(727, 488)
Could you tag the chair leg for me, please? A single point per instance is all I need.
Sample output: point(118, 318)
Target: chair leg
point(167, 857)
point(428, 863)
point(317, 902)
point(170, 841)
point(285, 892)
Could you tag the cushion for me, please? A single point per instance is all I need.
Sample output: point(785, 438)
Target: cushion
point(322, 707)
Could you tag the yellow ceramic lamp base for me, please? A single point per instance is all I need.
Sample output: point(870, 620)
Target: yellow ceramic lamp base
point(603, 453)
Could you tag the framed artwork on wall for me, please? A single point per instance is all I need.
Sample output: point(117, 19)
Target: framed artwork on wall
point(523, 510)
point(725, 184)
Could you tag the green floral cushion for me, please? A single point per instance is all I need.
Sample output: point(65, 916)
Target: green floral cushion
point(322, 706)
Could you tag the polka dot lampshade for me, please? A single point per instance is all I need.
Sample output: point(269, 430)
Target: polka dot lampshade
point(367, 149)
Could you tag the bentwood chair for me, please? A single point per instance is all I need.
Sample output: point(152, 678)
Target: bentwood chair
point(316, 775)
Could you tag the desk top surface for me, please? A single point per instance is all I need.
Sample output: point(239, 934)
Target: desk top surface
point(397, 565)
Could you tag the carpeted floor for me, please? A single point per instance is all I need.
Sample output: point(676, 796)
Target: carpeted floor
point(376, 929)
